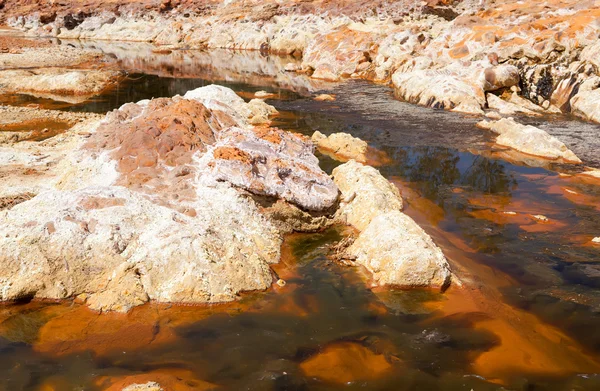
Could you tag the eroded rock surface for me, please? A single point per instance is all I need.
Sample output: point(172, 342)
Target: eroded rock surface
point(438, 53)
point(155, 205)
point(66, 85)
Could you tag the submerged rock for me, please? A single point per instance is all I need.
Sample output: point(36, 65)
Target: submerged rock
point(150, 386)
point(346, 362)
point(529, 139)
point(396, 251)
point(342, 145)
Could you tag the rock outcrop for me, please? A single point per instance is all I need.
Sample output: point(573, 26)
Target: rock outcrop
point(157, 204)
point(60, 84)
point(444, 55)
point(391, 246)
point(530, 140)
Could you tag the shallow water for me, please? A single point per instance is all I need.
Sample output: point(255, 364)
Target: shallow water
point(526, 318)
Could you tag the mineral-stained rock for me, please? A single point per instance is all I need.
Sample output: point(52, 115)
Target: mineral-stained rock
point(160, 379)
point(529, 139)
point(123, 249)
point(273, 163)
point(398, 252)
point(342, 145)
point(150, 386)
point(339, 53)
point(154, 205)
point(365, 194)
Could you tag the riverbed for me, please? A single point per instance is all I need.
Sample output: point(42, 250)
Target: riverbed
point(517, 232)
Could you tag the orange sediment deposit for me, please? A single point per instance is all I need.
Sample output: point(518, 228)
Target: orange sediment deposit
point(169, 379)
point(38, 129)
point(526, 344)
point(345, 362)
point(73, 330)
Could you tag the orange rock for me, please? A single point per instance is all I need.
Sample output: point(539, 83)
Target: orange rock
point(345, 362)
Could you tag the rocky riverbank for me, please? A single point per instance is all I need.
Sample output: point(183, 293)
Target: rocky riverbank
point(464, 56)
point(186, 199)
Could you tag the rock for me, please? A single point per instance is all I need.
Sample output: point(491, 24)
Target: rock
point(540, 218)
point(500, 76)
point(338, 53)
point(343, 145)
point(324, 98)
point(150, 386)
point(506, 108)
point(260, 112)
point(291, 67)
point(438, 90)
point(124, 249)
point(272, 163)
point(346, 362)
point(159, 379)
point(529, 139)
point(586, 104)
point(396, 251)
point(158, 203)
point(58, 83)
point(263, 94)
point(494, 115)
point(365, 194)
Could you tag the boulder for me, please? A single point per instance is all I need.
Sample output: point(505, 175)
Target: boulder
point(365, 194)
point(396, 251)
point(529, 139)
point(586, 104)
point(500, 76)
point(342, 145)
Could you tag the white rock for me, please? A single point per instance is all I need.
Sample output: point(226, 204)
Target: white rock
point(342, 145)
point(398, 252)
point(529, 139)
point(366, 192)
point(124, 249)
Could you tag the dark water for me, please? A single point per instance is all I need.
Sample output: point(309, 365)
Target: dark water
point(440, 160)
